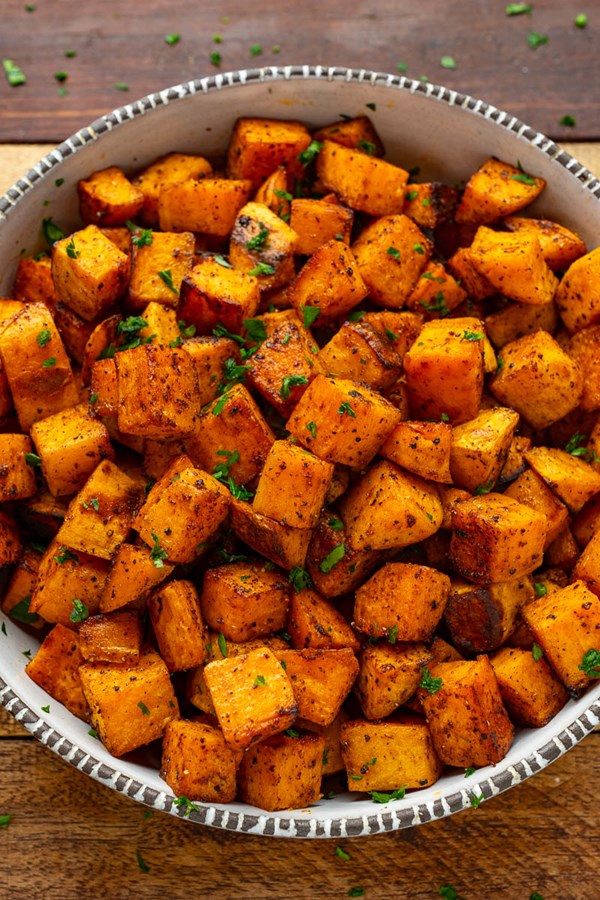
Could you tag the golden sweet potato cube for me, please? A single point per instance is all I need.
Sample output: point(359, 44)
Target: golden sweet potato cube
point(584, 349)
point(401, 601)
point(212, 295)
point(232, 423)
point(315, 623)
point(63, 576)
point(55, 668)
point(329, 281)
point(20, 587)
point(467, 719)
point(352, 133)
point(177, 622)
point(389, 675)
point(436, 292)
point(515, 463)
point(497, 189)
point(360, 351)
point(158, 268)
point(463, 268)
point(197, 763)
point(283, 772)
point(348, 422)
point(430, 203)
point(90, 273)
point(514, 265)
point(530, 690)
point(321, 680)
point(389, 756)
point(259, 146)
point(587, 567)
point(496, 539)
point(518, 319)
point(17, 478)
point(103, 388)
point(113, 638)
point(480, 447)
point(173, 167)
point(133, 575)
point(183, 509)
point(107, 197)
point(274, 194)
point(316, 221)
point(74, 331)
point(292, 486)
point(401, 328)
point(578, 294)
point(252, 696)
point(70, 444)
point(479, 618)
point(587, 522)
point(10, 540)
point(391, 253)
point(130, 705)
point(33, 282)
point(566, 624)
point(210, 205)
point(444, 370)
point(563, 552)
point(331, 575)
point(244, 600)
point(572, 479)
point(537, 379)
point(531, 490)
point(422, 448)
point(388, 507)
point(361, 181)
point(161, 325)
point(284, 545)
point(560, 246)
point(260, 238)
point(209, 355)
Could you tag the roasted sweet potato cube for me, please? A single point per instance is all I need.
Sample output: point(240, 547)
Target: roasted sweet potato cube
point(479, 448)
point(479, 618)
point(566, 624)
point(467, 719)
point(274, 194)
point(321, 681)
point(341, 421)
point(197, 763)
point(17, 478)
point(113, 638)
point(560, 246)
point(315, 623)
point(292, 485)
point(388, 507)
point(496, 539)
point(20, 587)
point(209, 355)
point(261, 240)
point(515, 463)
point(64, 576)
point(173, 167)
point(497, 189)
point(284, 545)
point(103, 388)
point(352, 133)
point(401, 328)
point(316, 221)
point(55, 668)
point(90, 273)
point(422, 448)
point(436, 292)
point(177, 622)
point(587, 567)
point(514, 265)
point(244, 600)
point(530, 690)
point(259, 146)
point(584, 350)
point(578, 294)
point(210, 205)
point(43, 514)
point(158, 267)
point(517, 319)
point(130, 705)
point(74, 330)
point(389, 756)
point(107, 197)
point(133, 575)
point(430, 203)
point(332, 574)
point(389, 675)
point(330, 282)
point(252, 696)
point(587, 522)
point(463, 268)
point(183, 509)
point(360, 351)
point(563, 552)
point(572, 479)
point(33, 282)
point(401, 601)
point(10, 540)
point(361, 181)
point(529, 489)
point(283, 772)
point(212, 295)
point(161, 325)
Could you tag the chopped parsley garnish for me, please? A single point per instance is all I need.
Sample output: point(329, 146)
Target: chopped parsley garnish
point(391, 335)
point(121, 86)
point(222, 261)
point(52, 232)
point(518, 9)
point(471, 336)
point(185, 804)
point(448, 62)
point(20, 612)
point(393, 252)
point(43, 337)
point(65, 555)
point(419, 248)
point(475, 800)
point(356, 315)
point(482, 489)
point(535, 39)
point(367, 147)
point(5, 820)
point(312, 428)
point(222, 470)
point(131, 328)
point(537, 652)
point(384, 797)
point(332, 559)
point(233, 373)
point(61, 76)
point(140, 237)
point(573, 446)
point(144, 867)
point(222, 644)
point(219, 405)
point(590, 664)
point(262, 269)
point(32, 459)
point(70, 54)
point(580, 20)
point(392, 634)
point(144, 708)
point(448, 892)
point(95, 503)
point(289, 382)
point(48, 363)
point(299, 578)
point(401, 67)
point(256, 329)
point(259, 681)
point(310, 314)
point(283, 195)
point(310, 154)
point(540, 589)
point(428, 682)
point(260, 240)
point(166, 276)
point(346, 410)
point(335, 524)
point(14, 75)
point(342, 854)
point(80, 612)
point(470, 771)
point(523, 178)
point(185, 330)
point(157, 554)
point(93, 733)
point(411, 195)
point(215, 58)
point(568, 121)
point(45, 709)
point(438, 305)
point(172, 39)
point(255, 50)
point(356, 891)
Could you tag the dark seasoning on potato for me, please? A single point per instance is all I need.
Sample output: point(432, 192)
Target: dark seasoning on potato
point(299, 466)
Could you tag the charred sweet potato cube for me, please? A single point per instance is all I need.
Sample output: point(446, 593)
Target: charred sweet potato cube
point(107, 197)
point(572, 479)
point(401, 601)
point(321, 680)
point(260, 238)
point(177, 622)
point(313, 622)
point(133, 575)
point(113, 638)
point(496, 539)
point(158, 268)
point(578, 294)
point(467, 719)
point(173, 167)
point(212, 295)
point(209, 355)
point(97, 348)
point(40, 377)
point(389, 675)
point(388, 507)
point(43, 514)
point(130, 705)
point(329, 282)
point(422, 448)
point(33, 282)
point(530, 690)
point(20, 587)
point(479, 618)
point(389, 756)
point(259, 146)
point(252, 696)
point(436, 292)
point(244, 600)
point(352, 133)
point(292, 486)
point(587, 567)
point(529, 489)
point(360, 351)
point(316, 221)
point(183, 509)
point(90, 273)
point(284, 545)
point(332, 574)
point(560, 246)
point(515, 463)
point(514, 265)
point(17, 478)
point(430, 203)
point(390, 254)
point(584, 349)
point(479, 448)
point(64, 576)
point(70, 444)
point(283, 772)
point(497, 189)
point(74, 331)
point(361, 181)
point(210, 205)
point(566, 625)
point(518, 319)
point(197, 763)
point(463, 268)
point(55, 668)
point(341, 421)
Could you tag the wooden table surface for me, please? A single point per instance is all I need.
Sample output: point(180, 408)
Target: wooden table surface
point(71, 838)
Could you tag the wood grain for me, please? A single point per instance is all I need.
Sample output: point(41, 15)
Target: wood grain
point(124, 43)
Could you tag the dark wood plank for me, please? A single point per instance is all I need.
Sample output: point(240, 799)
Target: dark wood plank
point(10, 728)
point(124, 42)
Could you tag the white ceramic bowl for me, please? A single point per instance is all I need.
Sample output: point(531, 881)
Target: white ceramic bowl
point(448, 135)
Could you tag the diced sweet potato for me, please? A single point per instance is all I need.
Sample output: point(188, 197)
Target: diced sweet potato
point(360, 351)
point(329, 282)
point(197, 763)
point(244, 600)
point(560, 246)
point(361, 181)
point(274, 194)
point(530, 690)
point(436, 292)
point(572, 479)
point(316, 221)
point(213, 295)
point(259, 146)
point(33, 282)
point(587, 567)
point(529, 489)
point(64, 576)
point(332, 575)
point(209, 355)
point(321, 680)
point(480, 447)
point(283, 545)
point(479, 619)
point(563, 552)
point(292, 485)
point(209, 205)
point(518, 319)
point(113, 638)
point(259, 239)
point(107, 197)
point(389, 674)
point(55, 668)
point(20, 587)
point(158, 267)
point(497, 189)
point(17, 478)
point(90, 273)
point(177, 621)
point(578, 294)
point(314, 623)
point(173, 167)
point(401, 328)
point(463, 268)
point(352, 133)
point(132, 576)
point(514, 265)
point(422, 448)
point(584, 350)
point(283, 772)
point(430, 203)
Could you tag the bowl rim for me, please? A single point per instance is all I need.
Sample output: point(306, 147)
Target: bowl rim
point(263, 823)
